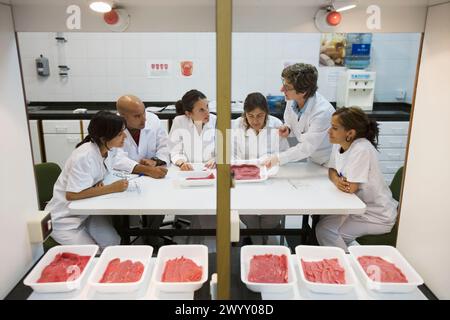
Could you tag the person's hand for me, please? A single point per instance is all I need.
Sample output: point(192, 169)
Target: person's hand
point(186, 167)
point(284, 131)
point(211, 164)
point(148, 162)
point(157, 172)
point(119, 186)
point(345, 186)
point(99, 184)
point(271, 162)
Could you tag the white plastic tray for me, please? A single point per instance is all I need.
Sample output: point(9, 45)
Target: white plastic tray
point(392, 255)
point(141, 254)
point(197, 253)
point(147, 291)
point(247, 253)
point(181, 178)
point(316, 253)
point(360, 292)
point(35, 274)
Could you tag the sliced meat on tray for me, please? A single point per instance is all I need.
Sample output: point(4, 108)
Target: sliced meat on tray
point(324, 271)
point(381, 270)
point(268, 268)
point(65, 267)
point(246, 172)
point(122, 272)
point(181, 270)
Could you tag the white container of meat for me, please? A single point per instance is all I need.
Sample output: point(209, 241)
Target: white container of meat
point(141, 254)
point(389, 254)
point(247, 253)
point(197, 253)
point(73, 283)
point(316, 253)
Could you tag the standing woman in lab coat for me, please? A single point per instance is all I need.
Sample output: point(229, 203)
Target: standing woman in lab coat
point(82, 178)
point(306, 117)
point(354, 168)
point(255, 137)
point(192, 136)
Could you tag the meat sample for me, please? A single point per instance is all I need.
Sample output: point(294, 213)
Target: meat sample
point(381, 270)
point(324, 271)
point(65, 267)
point(181, 270)
point(211, 176)
point(121, 272)
point(268, 268)
point(246, 172)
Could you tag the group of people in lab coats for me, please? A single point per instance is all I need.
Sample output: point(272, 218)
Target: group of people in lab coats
point(134, 141)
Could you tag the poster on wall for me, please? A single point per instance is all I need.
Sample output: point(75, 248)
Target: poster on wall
point(351, 50)
point(159, 68)
point(332, 50)
point(186, 68)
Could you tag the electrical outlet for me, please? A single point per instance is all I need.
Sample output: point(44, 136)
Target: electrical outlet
point(40, 227)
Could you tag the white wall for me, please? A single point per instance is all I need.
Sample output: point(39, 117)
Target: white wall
point(107, 65)
point(17, 184)
point(424, 235)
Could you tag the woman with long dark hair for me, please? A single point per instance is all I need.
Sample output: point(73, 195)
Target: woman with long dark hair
point(82, 178)
point(255, 137)
point(192, 136)
point(354, 168)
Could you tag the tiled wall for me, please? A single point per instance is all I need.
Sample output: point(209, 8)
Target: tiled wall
point(107, 65)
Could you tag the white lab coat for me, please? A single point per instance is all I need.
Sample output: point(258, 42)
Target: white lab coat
point(153, 142)
point(359, 164)
point(84, 168)
point(188, 145)
point(311, 131)
point(246, 144)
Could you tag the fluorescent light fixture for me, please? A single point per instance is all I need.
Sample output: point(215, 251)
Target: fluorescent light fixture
point(347, 7)
point(100, 6)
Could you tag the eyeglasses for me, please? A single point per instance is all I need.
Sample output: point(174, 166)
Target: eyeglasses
point(285, 87)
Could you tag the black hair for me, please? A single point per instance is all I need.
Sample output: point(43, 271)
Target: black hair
point(303, 77)
point(188, 100)
point(103, 127)
point(356, 119)
point(255, 100)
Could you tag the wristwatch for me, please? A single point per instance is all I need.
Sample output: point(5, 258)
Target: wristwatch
point(158, 161)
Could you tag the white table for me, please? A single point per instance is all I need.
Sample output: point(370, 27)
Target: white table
point(298, 188)
point(147, 291)
point(300, 292)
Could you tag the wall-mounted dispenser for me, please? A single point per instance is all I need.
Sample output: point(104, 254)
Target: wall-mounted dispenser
point(42, 66)
point(356, 88)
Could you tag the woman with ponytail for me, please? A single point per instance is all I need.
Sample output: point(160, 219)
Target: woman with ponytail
point(82, 178)
point(354, 168)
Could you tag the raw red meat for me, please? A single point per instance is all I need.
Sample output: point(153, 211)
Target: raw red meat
point(324, 271)
point(211, 176)
point(381, 270)
point(65, 267)
point(181, 270)
point(126, 271)
point(268, 268)
point(246, 172)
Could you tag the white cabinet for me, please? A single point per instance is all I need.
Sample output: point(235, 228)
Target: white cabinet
point(61, 138)
point(35, 145)
point(393, 138)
